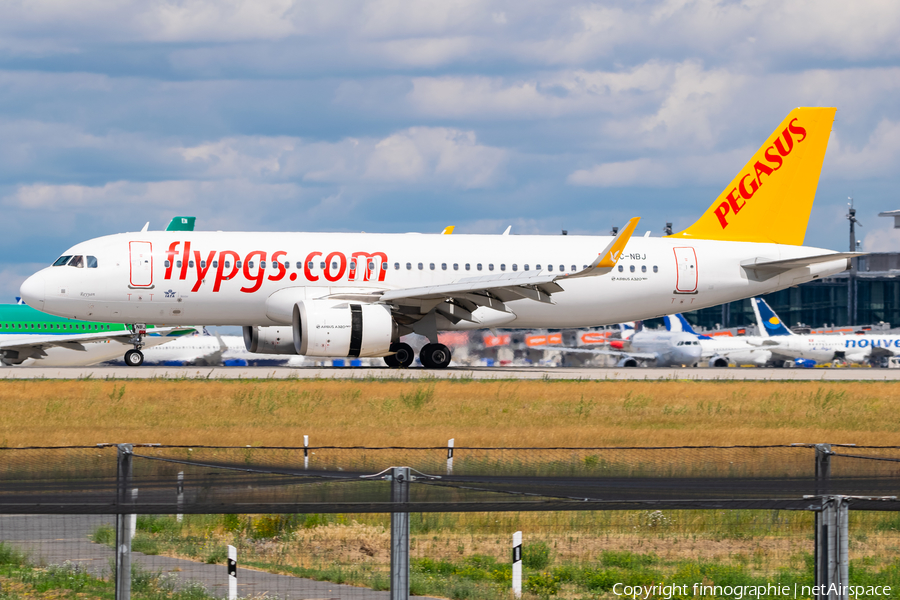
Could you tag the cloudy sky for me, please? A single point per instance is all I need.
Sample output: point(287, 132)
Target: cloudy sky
point(395, 115)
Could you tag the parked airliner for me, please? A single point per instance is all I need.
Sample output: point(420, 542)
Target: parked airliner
point(721, 351)
point(354, 295)
point(785, 345)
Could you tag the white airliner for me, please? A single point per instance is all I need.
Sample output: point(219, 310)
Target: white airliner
point(653, 348)
point(720, 351)
point(786, 346)
point(354, 295)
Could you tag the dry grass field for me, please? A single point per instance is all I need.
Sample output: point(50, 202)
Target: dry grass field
point(475, 413)
point(466, 555)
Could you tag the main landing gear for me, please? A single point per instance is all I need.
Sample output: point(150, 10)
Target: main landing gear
point(135, 358)
point(402, 356)
point(435, 356)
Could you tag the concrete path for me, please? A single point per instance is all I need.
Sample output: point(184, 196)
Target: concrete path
point(480, 373)
point(54, 539)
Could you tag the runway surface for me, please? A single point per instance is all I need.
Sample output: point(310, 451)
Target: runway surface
point(464, 373)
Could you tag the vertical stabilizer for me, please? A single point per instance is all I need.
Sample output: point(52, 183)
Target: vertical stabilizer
point(772, 196)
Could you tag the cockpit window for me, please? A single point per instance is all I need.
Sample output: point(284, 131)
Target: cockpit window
point(77, 261)
point(92, 262)
point(62, 260)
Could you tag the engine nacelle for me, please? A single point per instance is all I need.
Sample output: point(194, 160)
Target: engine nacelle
point(718, 361)
point(627, 362)
point(328, 328)
point(269, 340)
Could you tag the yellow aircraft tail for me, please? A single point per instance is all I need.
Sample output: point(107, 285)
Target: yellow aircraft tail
point(772, 196)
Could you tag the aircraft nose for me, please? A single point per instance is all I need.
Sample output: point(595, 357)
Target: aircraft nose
point(33, 290)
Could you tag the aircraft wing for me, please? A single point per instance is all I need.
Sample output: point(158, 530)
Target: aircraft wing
point(459, 299)
point(75, 341)
point(620, 353)
point(762, 268)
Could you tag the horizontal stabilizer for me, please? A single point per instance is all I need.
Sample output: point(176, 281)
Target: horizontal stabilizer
point(763, 268)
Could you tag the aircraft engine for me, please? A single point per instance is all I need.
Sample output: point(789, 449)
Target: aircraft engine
point(627, 362)
point(329, 328)
point(718, 361)
point(269, 340)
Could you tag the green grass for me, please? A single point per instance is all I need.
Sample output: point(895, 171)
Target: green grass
point(466, 555)
point(20, 580)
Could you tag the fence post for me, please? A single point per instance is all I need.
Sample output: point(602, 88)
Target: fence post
point(832, 549)
point(822, 521)
point(517, 565)
point(232, 573)
point(123, 522)
point(306, 452)
point(399, 535)
point(179, 490)
point(450, 443)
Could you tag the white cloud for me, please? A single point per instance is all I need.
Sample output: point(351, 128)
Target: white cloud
point(882, 240)
point(438, 155)
point(877, 158)
point(672, 171)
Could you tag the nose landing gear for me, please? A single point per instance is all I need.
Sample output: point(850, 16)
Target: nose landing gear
point(135, 358)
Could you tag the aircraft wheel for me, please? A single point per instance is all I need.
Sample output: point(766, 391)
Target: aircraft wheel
point(435, 356)
point(391, 361)
point(403, 355)
point(134, 358)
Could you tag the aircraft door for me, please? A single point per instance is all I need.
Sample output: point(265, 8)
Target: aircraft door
point(686, 273)
point(141, 255)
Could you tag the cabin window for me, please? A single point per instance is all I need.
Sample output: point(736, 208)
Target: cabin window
point(443, 266)
point(468, 267)
point(655, 268)
point(456, 266)
point(431, 265)
point(515, 267)
point(371, 266)
point(352, 265)
point(62, 260)
point(334, 265)
point(384, 266)
point(574, 268)
point(643, 268)
point(191, 264)
point(396, 266)
point(562, 268)
point(490, 266)
point(409, 266)
point(502, 267)
point(478, 266)
point(202, 264)
point(310, 265)
point(215, 264)
point(178, 263)
point(262, 264)
point(322, 265)
point(421, 266)
point(227, 264)
point(550, 268)
point(631, 268)
point(299, 265)
point(92, 262)
point(526, 268)
point(621, 268)
point(166, 264)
